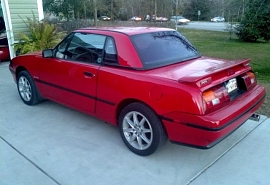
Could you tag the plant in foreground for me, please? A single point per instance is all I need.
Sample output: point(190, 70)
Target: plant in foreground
point(41, 35)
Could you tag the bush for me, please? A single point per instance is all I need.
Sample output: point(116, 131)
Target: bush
point(41, 35)
point(256, 22)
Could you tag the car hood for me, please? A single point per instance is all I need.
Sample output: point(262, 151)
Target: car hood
point(34, 53)
point(196, 69)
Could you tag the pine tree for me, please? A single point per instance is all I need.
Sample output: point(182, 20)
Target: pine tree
point(256, 21)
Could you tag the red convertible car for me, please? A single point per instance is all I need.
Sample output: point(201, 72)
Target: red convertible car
point(150, 82)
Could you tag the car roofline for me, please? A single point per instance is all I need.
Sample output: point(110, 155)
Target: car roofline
point(126, 30)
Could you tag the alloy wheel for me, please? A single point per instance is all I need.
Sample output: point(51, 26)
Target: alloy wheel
point(137, 130)
point(25, 88)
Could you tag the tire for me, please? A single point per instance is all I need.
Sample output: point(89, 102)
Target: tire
point(141, 129)
point(27, 89)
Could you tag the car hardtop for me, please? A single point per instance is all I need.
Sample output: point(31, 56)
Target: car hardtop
point(125, 30)
point(147, 47)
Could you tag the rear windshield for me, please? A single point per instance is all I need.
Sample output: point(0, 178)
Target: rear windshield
point(163, 48)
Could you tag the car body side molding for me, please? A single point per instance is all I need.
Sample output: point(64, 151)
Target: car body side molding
point(75, 92)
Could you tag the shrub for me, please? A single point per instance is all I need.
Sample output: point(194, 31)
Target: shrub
point(41, 35)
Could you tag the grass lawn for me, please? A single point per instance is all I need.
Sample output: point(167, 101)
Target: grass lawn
point(219, 45)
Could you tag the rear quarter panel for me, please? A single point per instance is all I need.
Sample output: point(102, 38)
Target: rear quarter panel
point(116, 86)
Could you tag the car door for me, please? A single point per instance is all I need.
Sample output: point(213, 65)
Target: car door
point(70, 77)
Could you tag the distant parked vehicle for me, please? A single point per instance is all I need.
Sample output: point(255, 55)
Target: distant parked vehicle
point(160, 19)
point(135, 18)
point(105, 18)
point(218, 19)
point(180, 19)
point(235, 28)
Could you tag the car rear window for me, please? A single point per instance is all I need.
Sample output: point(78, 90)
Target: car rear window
point(159, 49)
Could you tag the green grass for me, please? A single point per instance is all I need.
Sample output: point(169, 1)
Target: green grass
point(220, 45)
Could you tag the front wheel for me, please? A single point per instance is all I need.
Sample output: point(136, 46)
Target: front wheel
point(141, 129)
point(27, 89)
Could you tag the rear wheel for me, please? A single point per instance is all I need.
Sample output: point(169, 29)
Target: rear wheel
point(27, 89)
point(141, 129)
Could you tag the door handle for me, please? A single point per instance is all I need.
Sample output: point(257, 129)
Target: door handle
point(88, 74)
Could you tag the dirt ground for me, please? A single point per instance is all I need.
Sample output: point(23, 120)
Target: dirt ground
point(265, 108)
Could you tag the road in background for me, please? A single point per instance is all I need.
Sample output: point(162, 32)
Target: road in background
point(222, 26)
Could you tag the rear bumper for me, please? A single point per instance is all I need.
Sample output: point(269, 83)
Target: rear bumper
point(205, 131)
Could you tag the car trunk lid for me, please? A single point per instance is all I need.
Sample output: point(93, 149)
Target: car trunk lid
point(220, 81)
point(203, 71)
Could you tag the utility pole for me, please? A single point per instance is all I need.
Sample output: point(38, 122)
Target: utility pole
point(176, 7)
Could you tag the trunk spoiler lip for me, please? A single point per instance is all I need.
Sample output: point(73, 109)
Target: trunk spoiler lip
point(197, 76)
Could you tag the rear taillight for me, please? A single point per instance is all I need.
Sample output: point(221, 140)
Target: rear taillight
point(249, 79)
point(214, 98)
point(219, 95)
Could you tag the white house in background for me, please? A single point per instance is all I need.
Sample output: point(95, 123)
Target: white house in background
point(13, 11)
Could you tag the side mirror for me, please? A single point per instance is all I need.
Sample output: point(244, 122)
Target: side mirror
point(48, 53)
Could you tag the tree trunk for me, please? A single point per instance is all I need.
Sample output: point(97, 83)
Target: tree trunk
point(243, 10)
point(95, 12)
point(111, 9)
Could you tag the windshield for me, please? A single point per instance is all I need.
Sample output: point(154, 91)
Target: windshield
point(163, 48)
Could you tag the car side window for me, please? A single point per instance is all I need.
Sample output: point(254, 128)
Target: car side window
point(83, 47)
point(61, 48)
point(110, 53)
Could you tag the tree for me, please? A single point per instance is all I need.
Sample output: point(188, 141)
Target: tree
point(109, 8)
point(125, 9)
point(256, 21)
point(234, 10)
point(193, 6)
point(65, 8)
